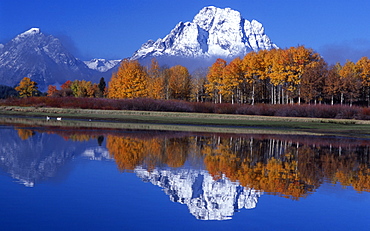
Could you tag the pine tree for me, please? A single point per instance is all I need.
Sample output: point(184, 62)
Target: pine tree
point(101, 87)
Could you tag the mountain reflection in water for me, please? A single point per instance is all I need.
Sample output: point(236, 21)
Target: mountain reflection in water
point(214, 175)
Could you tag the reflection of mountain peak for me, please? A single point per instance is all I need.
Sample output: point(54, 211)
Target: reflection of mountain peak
point(40, 156)
point(97, 153)
point(206, 198)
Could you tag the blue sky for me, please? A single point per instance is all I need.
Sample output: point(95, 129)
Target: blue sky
point(338, 30)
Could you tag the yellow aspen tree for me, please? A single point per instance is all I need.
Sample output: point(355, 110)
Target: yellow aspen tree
point(278, 74)
point(179, 82)
point(233, 76)
point(156, 81)
point(254, 72)
point(312, 82)
point(332, 83)
point(363, 68)
point(351, 81)
point(214, 77)
point(198, 82)
point(302, 59)
point(27, 88)
point(267, 60)
point(130, 81)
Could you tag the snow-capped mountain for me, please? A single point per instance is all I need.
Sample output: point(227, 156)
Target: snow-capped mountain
point(206, 198)
point(213, 33)
point(41, 57)
point(102, 65)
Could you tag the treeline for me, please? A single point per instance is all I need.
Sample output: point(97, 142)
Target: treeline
point(296, 75)
point(278, 76)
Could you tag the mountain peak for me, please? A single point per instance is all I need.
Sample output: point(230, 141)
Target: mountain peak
point(102, 65)
point(213, 33)
point(210, 15)
point(43, 58)
point(30, 32)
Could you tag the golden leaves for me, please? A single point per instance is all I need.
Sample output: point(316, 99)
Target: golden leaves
point(26, 87)
point(130, 81)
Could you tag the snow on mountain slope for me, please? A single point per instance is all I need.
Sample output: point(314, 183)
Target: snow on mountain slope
point(214, 32)
point(41, 57)
point(102, 65)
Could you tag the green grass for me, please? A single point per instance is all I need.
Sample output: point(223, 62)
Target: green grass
point(180, 121)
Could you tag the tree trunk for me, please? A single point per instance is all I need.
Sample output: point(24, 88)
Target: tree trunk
point(253, 94)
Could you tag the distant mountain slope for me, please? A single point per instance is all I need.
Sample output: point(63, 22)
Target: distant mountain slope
point(213, 33)
point(102, 65)
point(43, 58)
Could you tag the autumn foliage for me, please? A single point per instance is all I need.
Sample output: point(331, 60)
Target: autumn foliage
point(131, 81)
point(280, 76)
point(279, 167)
point(27, 88)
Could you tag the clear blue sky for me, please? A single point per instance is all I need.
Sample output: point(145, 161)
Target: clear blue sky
point(338, 30)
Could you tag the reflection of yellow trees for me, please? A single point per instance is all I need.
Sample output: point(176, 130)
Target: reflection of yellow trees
point(359, 180)
point(24, 134)
point(128, 152)
point(81, 137)
point(176, 153)
point(293, 173)
point(275, 177)
point(362, 181)
point(132, 152)
point(276, 167)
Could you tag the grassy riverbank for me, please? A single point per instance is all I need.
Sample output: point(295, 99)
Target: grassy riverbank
point(182, 121)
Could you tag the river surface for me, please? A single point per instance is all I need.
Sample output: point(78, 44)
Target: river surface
point(55, 178)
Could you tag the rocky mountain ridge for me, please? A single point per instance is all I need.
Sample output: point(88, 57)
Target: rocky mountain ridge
point(213, 33)
point(44, 59)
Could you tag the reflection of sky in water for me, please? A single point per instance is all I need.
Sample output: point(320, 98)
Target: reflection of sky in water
point(77, 188)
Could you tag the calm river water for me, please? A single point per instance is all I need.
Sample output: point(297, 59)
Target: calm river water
point(76, 179)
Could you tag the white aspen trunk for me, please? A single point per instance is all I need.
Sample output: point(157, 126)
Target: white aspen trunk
point(279, 93)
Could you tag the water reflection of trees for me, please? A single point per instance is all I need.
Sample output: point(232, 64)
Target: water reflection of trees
point(283, 167)
point(289, 166)
point(131, 152)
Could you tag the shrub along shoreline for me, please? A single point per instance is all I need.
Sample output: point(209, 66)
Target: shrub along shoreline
point(146, 104)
